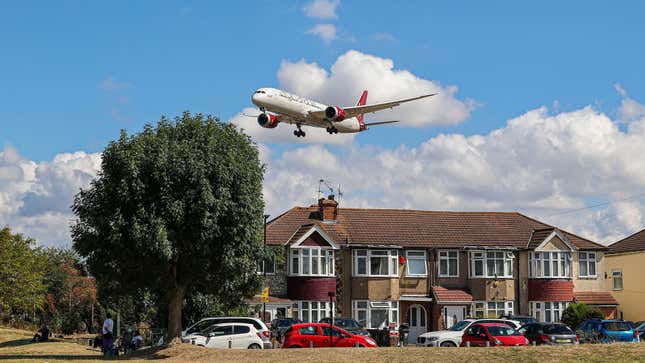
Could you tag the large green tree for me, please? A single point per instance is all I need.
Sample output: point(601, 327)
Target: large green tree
point(175, 207)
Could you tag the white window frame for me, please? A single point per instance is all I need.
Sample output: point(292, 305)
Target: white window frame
point(445, 255)
point(617, 274)
point(304, 309)
point(540, 310)
point(261, 265)
point(324, 256)
point(507, 308)
point(366, 255)
point(507, 263)
point(367, 306)
point(538, 264)
point(416, 258)
point(589, 261)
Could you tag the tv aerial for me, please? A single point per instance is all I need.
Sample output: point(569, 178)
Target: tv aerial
point(328, 184)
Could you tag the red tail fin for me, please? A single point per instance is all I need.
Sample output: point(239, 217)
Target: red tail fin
point(361, 102)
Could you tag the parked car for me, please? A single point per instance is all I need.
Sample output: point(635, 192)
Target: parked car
point(492, 334)
point(350, 325)
point(606, 331)
point(641, 332)
point(230, 335)
point(452, 336)
point(549, 333)
point(279, 326)
point(522, 319)
point(317, 335)
point(204, 325)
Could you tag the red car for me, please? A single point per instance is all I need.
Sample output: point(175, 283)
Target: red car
point(316, 335)
point(495, 334)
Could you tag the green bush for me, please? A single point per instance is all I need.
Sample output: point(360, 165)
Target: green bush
point(576, 313)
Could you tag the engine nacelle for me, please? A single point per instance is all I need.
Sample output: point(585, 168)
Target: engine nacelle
point(335, 113)
point(268, 121)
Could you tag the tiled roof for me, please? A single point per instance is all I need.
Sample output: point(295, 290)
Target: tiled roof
point(414, 228)
point(595, 298)
point(538, 237)
point(633, 243)
point(443, 295)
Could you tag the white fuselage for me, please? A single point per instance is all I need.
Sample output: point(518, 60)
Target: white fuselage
point(294, 109)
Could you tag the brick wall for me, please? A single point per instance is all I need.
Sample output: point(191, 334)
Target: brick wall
point(550, 290)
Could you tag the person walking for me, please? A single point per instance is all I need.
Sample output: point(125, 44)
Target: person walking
point(108, 336)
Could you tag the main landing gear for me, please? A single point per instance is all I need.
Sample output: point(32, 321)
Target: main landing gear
point(299, 132)
point(332, 130)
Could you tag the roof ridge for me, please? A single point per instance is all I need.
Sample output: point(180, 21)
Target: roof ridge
point(562, 230)
point(630, 236)
point(429, 211)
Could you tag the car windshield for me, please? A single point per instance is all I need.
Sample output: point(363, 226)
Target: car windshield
point(347, 323)
point(616, 326)
point(286, 322)
point(641, 327)
point(460, 326)
point(502, 331)
point(557, 329)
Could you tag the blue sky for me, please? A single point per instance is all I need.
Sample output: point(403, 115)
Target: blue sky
point(550, 93)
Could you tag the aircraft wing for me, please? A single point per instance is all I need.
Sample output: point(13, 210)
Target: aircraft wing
point(354, 111)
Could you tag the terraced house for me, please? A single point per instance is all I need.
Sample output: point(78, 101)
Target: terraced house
point(427, 268)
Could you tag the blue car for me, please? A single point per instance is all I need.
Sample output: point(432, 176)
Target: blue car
point(606, 331)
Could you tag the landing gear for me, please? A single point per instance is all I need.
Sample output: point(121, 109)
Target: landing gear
point(332, 130)
point(299, 132)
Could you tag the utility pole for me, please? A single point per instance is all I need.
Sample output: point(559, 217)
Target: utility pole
point(264, 267)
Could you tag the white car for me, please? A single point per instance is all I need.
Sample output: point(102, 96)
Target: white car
point(452, 336)
point(204, 326)
point(230, 336)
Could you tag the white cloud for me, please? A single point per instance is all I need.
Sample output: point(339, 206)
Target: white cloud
point(321, 9)
point(326, 32)
point(383, 37)
point(540, 164)
point(111, 84)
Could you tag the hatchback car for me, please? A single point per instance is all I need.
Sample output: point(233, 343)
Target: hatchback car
point(316, 335)
point(452, 336)
point(549, 333)
point(606, 331)
point(205, 325)
point(492, 334)
point(279, 326)
point(230, 335)
point(350, 325)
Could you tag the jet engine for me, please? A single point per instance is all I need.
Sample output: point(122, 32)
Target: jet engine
point(267, 120)
point(334, 113)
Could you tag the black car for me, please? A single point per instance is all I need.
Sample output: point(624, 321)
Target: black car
point(279, 326)
point(349, 324)
point(548, 333)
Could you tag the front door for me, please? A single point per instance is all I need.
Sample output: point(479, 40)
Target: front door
point(452, 315)
point(417, 321)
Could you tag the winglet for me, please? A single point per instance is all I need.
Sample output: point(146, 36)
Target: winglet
point(361, 102)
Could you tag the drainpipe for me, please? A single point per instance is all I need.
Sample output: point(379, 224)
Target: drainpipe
point(518, 284)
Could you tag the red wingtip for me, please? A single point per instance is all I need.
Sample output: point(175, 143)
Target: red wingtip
point(361, 102)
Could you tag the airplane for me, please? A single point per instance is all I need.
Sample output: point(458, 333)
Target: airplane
point(280, 106)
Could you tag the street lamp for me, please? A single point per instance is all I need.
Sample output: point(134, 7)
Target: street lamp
point(331, 308)
point(264, 268)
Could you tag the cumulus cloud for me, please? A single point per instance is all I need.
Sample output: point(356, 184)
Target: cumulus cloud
point(539, 163)
point(326, 32)
point(321, 9)
point(35, 198)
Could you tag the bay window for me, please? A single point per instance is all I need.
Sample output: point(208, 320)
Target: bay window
point(547, 311)
point(587, 264)
point(491, 264)
point(375, 314)
point(449, 264)
point(416, 263)
point(492, 309)
point(312, 261)
point(311, 311)
point(550, 264)
point(376, 263)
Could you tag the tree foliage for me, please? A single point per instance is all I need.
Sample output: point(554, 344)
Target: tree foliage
point(175, 207)
point(576, 313)
point(22, 270)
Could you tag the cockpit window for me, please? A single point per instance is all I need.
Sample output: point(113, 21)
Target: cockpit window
point(260, 91)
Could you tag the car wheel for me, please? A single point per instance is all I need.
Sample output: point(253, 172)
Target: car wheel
point(448, 345)
point(254, 346)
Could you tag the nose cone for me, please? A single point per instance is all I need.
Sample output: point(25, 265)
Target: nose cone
point(255, 98)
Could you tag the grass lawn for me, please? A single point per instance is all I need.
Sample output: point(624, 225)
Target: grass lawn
point(14, 346)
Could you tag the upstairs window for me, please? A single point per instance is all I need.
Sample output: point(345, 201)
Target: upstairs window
point(617, 276)
point(312, 261)
point(448, 263)
point(416, 263)
point(376, 263)
point(267, 266)
point(587, 264)
point(550, 264)
point(493, 264)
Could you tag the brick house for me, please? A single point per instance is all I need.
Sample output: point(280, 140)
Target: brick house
point(427, 268)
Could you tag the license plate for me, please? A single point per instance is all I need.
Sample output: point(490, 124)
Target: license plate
point(563, 341)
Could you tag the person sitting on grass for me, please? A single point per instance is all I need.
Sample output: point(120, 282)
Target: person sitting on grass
point(137, 340)
point(42, 335)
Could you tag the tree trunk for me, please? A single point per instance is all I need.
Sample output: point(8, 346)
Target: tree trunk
point(175, 302)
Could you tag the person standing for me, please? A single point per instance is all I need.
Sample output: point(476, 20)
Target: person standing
point(108, 337)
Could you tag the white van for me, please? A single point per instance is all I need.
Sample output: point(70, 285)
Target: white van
point(204, 325)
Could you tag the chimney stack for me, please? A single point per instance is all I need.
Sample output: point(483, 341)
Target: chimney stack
point(328, 208)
